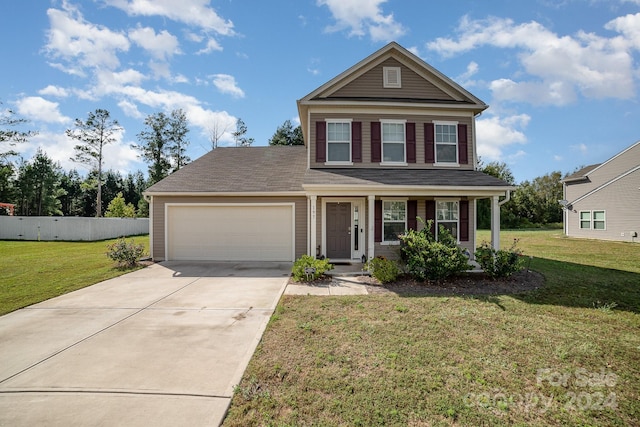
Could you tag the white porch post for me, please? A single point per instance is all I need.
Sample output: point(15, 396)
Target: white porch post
point(495, 223)
point(313, 225)
point(371, 227)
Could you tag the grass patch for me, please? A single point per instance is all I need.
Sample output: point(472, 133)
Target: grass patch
point(566, 354)
point(36, 271)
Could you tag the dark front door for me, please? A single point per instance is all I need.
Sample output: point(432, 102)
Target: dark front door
point(338, 230)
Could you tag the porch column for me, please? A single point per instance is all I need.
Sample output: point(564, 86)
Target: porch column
point(371, 227)
point(313, 224)
point(495, 223)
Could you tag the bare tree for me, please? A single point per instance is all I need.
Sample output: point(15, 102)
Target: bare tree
point(216, 132)
point(94, 133)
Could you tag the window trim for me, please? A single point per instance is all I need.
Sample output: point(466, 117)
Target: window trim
point(328, 143)
point(385, 77)
point(403, 162)
point(403, 200)
point(457, 221)
point(436, 143)
point(592, 220)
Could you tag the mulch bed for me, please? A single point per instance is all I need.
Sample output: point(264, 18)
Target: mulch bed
point(466, 284)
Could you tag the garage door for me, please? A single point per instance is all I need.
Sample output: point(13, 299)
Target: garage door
point(248, 232)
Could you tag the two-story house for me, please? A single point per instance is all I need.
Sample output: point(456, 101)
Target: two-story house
point(602, 201)
point(388, 141)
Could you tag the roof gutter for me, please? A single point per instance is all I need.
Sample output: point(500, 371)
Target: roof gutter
point(506, 199)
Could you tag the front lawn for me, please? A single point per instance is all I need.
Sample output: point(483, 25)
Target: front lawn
point(566, 354)
point(31, 272)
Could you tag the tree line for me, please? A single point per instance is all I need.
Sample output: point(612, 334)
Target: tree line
point(40, 186)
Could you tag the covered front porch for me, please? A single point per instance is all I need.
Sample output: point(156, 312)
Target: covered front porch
point(353, 228)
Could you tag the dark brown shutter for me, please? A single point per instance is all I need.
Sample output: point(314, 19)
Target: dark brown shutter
point(411, 142)
point(376, 143)
point(321, 142)
point(431, 215)
point(412, 214)
point(429, 146)
point(463, 154)
point(377, 235)
point(464, 220)
point(356, 142)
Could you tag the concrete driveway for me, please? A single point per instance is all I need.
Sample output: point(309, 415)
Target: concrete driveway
point(162, 346)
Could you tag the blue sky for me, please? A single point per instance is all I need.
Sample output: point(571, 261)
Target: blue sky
point(561, 76)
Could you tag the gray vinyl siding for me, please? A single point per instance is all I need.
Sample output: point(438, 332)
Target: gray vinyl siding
point(159, 218)
point(366, 120)
point(615, 167)
point(370, 85)
point(621, 202)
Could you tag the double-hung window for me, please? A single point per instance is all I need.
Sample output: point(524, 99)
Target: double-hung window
point(592, 220)
point(447, 215)
point(394, 219)
point(339, 141)
point(446, 140)
point(393, 142)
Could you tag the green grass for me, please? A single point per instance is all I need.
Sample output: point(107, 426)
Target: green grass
point(31, 272)
point(566, 354)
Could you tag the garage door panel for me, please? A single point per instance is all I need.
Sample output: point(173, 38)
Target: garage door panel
point(230, 233)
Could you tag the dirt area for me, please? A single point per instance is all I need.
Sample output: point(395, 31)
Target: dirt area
point(467, 284)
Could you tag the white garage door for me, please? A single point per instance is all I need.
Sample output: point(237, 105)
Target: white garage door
point(220, 232)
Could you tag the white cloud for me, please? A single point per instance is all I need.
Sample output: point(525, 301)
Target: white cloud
point(464, 79)
point(190, 12)
point(81, 43)
point(557, 67)
point(38, 108)
point(227, 84)
point(52, 90)
point(496, 134)
point(162, 45)
point(629, 27)
point(362, 18)
point(581, 148)
point(212, 45)
point(130, 109)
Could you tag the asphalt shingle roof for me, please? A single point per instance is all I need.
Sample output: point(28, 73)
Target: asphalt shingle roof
point(283, 169)
point(241, 169)
point(581, 173)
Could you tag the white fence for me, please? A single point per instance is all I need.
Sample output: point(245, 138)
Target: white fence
point(69, 228)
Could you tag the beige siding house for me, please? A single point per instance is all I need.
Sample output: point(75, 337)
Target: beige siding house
point(387, 142)
point(602, 201)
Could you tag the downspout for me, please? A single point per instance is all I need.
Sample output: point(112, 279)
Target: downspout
point(506, 199)
point(149, 200)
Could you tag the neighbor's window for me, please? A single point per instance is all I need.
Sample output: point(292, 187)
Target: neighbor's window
point(339, 141)
point(446, 139)
point(585, 220)
point(598, 220)
point(447, 216)
point(394, 219)
point(393, 142)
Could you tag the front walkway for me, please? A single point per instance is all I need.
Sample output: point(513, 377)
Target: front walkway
point(345, 280)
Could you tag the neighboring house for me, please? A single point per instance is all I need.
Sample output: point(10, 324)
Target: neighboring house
point(603, 201)
point(388, 141)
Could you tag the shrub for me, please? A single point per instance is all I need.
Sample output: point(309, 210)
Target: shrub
point(385, 270)
point(307, 261)
point(125, 253)
point(429, 259)
point(500, 263)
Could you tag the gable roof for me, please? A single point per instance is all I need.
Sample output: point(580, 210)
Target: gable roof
point(581, 174)
point(452, 95)
point(271, 169)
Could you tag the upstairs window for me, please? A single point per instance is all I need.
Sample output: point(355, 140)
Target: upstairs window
point(446, 140)
point(393, 142)
point(391, 77)
point(338, 141)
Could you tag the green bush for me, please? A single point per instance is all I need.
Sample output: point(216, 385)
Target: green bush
point(429, 259)
point(501, 263)
point(126, 254)
point(384, 270)
point(305, 261)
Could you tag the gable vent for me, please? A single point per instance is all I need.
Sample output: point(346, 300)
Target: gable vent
point(392, 77)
